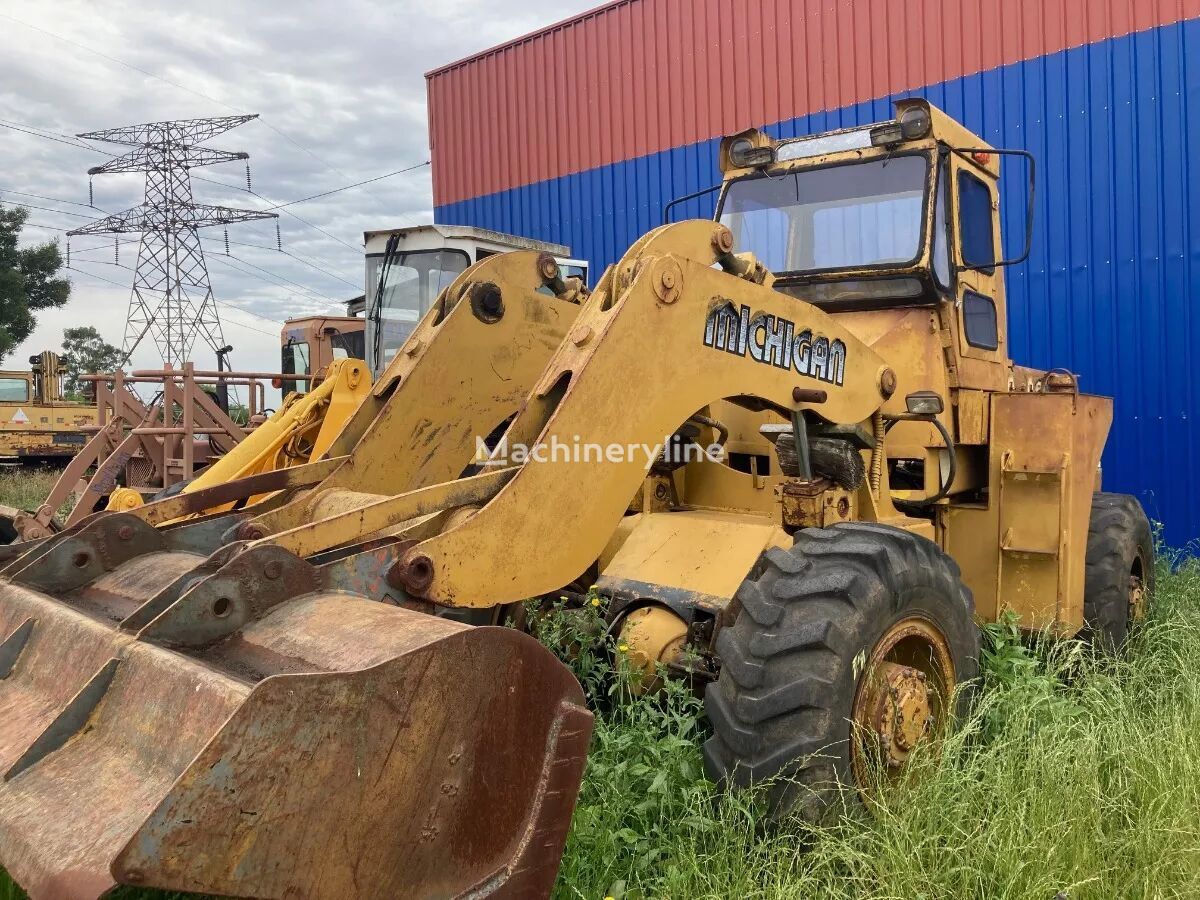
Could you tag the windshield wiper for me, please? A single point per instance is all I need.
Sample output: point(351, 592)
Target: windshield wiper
point(375, 317)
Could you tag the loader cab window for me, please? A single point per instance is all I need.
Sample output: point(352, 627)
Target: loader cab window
point(979, 321)
point(849, 216)
point(352, 345)
point(941, 229)
point(14, 390)
point(411, 282)
point(975, 223)
point(296, 356)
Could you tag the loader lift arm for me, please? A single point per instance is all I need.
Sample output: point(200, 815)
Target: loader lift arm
point(643, 326)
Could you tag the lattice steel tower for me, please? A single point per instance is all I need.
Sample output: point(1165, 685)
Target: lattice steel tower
point(172, 299)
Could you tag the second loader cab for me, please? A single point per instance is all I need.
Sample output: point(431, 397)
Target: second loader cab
point(407, 268)
point(310, 344)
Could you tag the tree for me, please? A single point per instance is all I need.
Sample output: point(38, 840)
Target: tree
point(85, 352)
point(28, 281)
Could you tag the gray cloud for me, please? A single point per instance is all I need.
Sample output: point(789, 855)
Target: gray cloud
point(341, 93)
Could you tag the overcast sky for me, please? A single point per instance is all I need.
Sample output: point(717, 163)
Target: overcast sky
point(340, 89)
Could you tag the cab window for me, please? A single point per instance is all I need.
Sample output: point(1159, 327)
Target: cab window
point(14, 390)
point(941, 229)
point(975, 222)
point(295, 362)
point(979, 320)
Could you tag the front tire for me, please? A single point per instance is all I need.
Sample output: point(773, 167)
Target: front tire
point(856, 623)
point(1119, 570)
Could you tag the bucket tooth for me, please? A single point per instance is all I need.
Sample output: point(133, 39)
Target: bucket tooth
point(153, 607)
point(12, 646)
point(238, 593)
point(83, 556)
point(69, 722)
point(116, 595)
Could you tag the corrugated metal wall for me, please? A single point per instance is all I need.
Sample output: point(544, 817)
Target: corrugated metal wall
point(1116, 259)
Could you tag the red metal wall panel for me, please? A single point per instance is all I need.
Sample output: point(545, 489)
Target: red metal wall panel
point(638, 76)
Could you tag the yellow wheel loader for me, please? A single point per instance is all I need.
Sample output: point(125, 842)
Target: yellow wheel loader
point(787, 447)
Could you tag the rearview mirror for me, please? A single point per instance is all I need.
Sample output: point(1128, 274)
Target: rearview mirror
point(973, 153)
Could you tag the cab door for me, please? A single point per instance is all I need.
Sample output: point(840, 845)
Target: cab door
point(979, 282)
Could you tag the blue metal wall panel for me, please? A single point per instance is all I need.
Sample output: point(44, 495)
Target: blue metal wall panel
point(1107, 290)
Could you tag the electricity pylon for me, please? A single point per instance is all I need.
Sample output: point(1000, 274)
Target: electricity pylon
point(172, 299)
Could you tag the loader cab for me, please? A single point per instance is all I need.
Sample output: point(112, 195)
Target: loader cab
point(893, 215)
point(311, 343)
point(407, 268)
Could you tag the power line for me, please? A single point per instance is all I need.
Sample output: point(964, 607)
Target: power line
point(225, 184)
point(299, 259)
point(59, 212)
point(106, 246)
point(51, 199)
point(271, 334)
point(294, 256)
point(50, 131)
point(251, 312)
point(411, 168)
point(94, 275)
point(75, 144)
point(174, 84)
point(215, 242)
point(104, 262)
point(276, 280)
point(286, 212)
point(99, 277)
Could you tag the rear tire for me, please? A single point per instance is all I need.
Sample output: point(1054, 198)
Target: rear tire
point(795, 662)
point(1119, 570)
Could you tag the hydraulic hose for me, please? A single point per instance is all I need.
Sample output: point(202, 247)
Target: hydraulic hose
point(877, 452)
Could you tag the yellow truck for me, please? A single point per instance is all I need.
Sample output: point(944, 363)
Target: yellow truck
point(36, 424)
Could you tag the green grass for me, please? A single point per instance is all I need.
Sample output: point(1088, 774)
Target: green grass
point(1074, 777)
point(25, 488)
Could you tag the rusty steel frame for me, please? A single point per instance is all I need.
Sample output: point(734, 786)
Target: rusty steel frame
point(128, 428)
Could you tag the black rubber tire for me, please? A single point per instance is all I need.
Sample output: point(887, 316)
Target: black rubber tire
point(1120, 544)
point(787, 682)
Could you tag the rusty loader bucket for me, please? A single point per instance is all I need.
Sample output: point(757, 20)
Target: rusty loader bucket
point(250, 724)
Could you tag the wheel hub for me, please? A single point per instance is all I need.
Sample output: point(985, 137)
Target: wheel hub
point(905, 681)
point(1137, 598)
point(901, 710)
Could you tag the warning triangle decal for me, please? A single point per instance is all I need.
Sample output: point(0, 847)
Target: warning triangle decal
point(20, 418)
